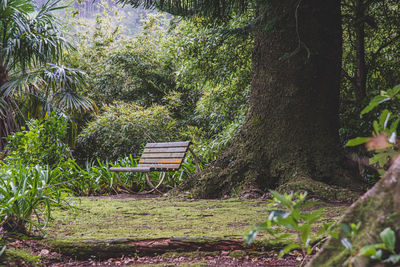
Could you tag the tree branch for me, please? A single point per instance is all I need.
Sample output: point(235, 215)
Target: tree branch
point(383, 46)
point(350, 78)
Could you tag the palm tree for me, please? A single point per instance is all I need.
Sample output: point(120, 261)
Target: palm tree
point(31, 47)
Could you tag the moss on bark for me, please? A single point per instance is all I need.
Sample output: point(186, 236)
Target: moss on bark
point(377, 209)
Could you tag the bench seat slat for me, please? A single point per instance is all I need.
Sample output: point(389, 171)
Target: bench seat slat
point(165, 150)
point(160, 166)
point(168, 144)
point(162, 155)
point(161, 160)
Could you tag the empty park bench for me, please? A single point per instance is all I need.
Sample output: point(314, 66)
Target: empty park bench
point(161, 157)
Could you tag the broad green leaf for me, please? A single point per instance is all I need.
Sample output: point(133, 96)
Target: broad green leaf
point(384, 118)
point(314, 216)
point(374, 102)
point(305, 231)
point(251, 236)
point(346, 243)
point(281, 198)
point(393, 91)
point(378, 255)
point(370, 250)
point(358, 141)
point(287, 222)
point(389, 238)
point(273, 214)
point(393, 126)
point(380, 158)
point(377, 128)
point(393, 259)
point(295, 214)
point(288, 248)
point(2, 250)
point(283, 236)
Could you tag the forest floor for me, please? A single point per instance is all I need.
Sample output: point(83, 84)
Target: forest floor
point(155, 231)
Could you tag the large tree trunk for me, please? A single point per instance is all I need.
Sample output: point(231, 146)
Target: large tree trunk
point(290, 136)
point(376, 210)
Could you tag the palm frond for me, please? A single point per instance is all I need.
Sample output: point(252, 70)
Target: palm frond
point(31, 40)
point(29, 82)
point(71, 101)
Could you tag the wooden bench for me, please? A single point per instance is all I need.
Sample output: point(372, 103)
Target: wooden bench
point(161, 157)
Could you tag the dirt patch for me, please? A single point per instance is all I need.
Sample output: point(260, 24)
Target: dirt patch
point(226, 256)
point(128, 196)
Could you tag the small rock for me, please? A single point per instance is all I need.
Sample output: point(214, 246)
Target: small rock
point(44, 252)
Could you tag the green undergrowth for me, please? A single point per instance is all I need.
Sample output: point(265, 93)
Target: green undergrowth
point(108, 218)
point(19, 257)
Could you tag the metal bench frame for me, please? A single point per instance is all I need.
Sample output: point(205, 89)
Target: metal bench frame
point(163, 157)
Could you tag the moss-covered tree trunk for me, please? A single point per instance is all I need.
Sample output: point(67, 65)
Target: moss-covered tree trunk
point(376, 210)
point(290, 135)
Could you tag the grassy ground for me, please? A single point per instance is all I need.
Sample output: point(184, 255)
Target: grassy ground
point(104, 218)
point(105, 227)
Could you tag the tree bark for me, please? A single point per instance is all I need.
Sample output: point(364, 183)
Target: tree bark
point(361, 71)
point(289, 139)
point(376, 210)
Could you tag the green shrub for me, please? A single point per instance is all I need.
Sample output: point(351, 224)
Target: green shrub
point(40, 143)
point(124, 129)
point(26, 196)
point(291, 212)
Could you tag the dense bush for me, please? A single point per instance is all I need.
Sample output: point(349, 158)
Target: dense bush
point(123, 129)
point(41, 142)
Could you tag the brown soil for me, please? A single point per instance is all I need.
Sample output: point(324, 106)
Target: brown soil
point(230, 255)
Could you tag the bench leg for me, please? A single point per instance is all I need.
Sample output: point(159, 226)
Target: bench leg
point(151, 184)
point(122, 184)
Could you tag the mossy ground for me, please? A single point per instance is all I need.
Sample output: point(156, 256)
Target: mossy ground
point(20, 257)
point(108, 218)
point(104, 218)
point(100, 226)
point(151, 218)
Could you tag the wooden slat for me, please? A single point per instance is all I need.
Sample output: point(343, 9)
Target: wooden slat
point(161, 166)
point(161, 161)
point(165, 150)
point(129, 169)
point(168, 144)
point(162, 155)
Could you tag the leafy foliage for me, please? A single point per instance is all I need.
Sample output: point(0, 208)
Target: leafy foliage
point(288, 211)
point(384, 141)
point(383, 252)
point(41, 143)
point(123, 129)
point(27, 196)
point(33, 79)
point(381, 35)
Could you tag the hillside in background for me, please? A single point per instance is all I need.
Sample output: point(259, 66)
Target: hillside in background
point(87, 9)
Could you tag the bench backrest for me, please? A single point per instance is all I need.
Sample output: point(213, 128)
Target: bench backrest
point(164, 156)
